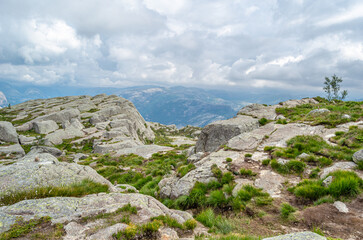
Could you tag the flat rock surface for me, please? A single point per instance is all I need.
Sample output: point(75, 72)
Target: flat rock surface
point(298, 236)
point(66, 209)
point(27, 173)
point(145, 151)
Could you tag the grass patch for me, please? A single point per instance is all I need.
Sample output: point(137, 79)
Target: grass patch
point(247, 172)
point(345, 184)
point(331, 119)
point(32, 229)
point(292, 166)
point(286, 211)
point(216, 223)
point(80, 189)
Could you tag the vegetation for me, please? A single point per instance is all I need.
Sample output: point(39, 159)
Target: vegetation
point(345, 184)
point(74, 190)
point(292, 166)
point(143, 174)
point(30, 228)
point(216, 223)
point(321, 153)
point(335, 117)
point(287, 210)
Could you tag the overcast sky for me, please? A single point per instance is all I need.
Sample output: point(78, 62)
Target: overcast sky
point(279, 44)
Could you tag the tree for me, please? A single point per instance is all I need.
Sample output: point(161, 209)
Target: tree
point(332, 88)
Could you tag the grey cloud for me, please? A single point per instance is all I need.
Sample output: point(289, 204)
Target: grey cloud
point(282, 44)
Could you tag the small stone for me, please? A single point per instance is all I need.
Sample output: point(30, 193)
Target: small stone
point(358, 156)
point(346, 116)
point(303, 156)
point(341, 207)
point(327, 181)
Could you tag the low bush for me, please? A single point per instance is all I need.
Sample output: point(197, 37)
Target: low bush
point(292, 166)
point(247, 172)
point(286, 210)
point(263, 121)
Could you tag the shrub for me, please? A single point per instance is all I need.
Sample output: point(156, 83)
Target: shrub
point(247, 172)
point(247, 155)
point(263, 121)
point(308, 189)
point(151, 226)
point(228, 188)
point(171, 222)
point(216, 171)
point(345, 183)
point(229, 159)
point(190, 224)
point(286, 210)
point(216, 198)
point(227, 178)
point(183, 170)
point(266, 162)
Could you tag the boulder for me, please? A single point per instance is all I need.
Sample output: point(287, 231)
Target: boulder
point(318, 111)
point(219, 133)
point(337, 166)
point(12, 149)
point(103, 148)
point(298, 236)
point(270, 182)
point(43, 149)
point(45, 127)
point(327, 181)
point(39, 170)
point(341, 207)
point(8, 132)
point(358, 156)
point(295, 103)
point(145, 151)
point(68, 209)
point(24, 140)
point(346, 116)
point(259, 111)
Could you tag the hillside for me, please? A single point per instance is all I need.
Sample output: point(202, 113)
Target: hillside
point(85, 167)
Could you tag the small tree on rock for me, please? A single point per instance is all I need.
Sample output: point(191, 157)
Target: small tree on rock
point(332, 88)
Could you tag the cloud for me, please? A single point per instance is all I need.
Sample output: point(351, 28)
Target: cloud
point(279, 44)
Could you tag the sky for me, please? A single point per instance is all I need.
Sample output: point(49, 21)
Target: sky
point(269, 45)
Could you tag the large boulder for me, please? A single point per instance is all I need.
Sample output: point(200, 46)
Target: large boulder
point(259, 111)
point(40, 170)
point(71, 209)
point(145, 151)
point(12, 149)
point(358, 156)
point(298, 236)
point(109, 147)
point(8, 132)
point(45, 127)
point(218, 133)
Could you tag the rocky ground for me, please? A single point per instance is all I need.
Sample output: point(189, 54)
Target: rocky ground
point(92, 168)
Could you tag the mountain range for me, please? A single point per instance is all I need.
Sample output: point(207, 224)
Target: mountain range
point(167, 105)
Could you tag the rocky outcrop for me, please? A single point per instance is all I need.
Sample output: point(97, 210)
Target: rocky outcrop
point(259, 111)
point(12, 149)
point(174, 187)
point(45, 127)
point(70, 209)
point(145, 151)
point(298, 236)
point(8, 132)
point(337, 166)
point(297, 102)
point(218, 133)
point(39, 170)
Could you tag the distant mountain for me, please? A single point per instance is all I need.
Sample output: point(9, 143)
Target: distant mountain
point(167, 105)
point(179, 105)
